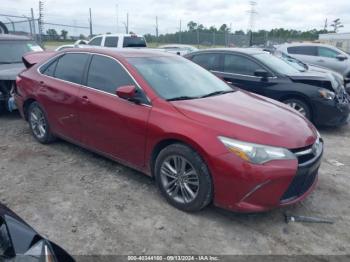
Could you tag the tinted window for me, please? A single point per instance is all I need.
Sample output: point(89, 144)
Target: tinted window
point(240, 65)
point(5, 242)
point(12, 51)
point(70, 67)
point(327, 52)
point(302, 50)
point(111, 41)
point(96, 41)
point(134, 41)
point(107, 75)
point(50, 70)
point(208, 61)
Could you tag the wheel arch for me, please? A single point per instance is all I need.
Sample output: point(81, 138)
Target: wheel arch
point(173, 139)
point(301, 97)
point(26, 105)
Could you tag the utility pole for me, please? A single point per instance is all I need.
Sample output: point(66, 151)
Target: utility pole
point(157, 28)
point(127, 23)
point(33, 23)
point(41, 20)
point(90, 22)
point(252, 14)
point(180, 40)
point(117, 10)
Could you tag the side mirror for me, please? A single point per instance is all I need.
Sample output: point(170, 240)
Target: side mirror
point(262, 73)
point(341, 57)
point(126, 92)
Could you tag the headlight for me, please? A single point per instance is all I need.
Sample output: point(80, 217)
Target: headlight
point(254, 153)
point(326, 94)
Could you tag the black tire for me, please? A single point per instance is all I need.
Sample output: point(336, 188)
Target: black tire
point(46, 137)
point(204, 190)
point(300, 106)
point(3, 28)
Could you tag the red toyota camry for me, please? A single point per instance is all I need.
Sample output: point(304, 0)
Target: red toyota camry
point(161, 114)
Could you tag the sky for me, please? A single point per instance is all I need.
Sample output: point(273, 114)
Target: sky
point(110, 15)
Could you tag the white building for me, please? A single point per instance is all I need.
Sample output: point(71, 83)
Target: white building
point(340, 40)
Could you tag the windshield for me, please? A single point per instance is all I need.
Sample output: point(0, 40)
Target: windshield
point(12, 51)
point(176, 78)
point(134, 41)
point(276, 64)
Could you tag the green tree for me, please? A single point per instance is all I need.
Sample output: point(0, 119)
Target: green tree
point(52, 33)
point(192, 26)
point(64, 34)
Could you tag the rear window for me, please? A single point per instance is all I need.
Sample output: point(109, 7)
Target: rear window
point(12, 51)
point(111, 41)
point(208, 61)
point(96, 41)
point(134, 41)
point(303, 50)
point(70, 67)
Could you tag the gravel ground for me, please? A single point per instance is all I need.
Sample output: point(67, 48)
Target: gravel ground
point(91, 205)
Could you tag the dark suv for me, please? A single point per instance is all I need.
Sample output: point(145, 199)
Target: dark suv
point(12, 48)
point(318, 96)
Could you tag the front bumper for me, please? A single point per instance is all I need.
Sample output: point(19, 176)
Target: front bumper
point(331, 112)
point(243, 187)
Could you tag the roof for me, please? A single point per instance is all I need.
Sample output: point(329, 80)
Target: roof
point(123, 52)
point(248, 51)
point(119, 35)
point(13, 37)
point(302, 44)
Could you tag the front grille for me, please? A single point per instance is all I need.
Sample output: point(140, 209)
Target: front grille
point(309, 159)
point(300, 184)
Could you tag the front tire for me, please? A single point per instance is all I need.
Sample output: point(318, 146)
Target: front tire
point(38, 124)
point(299, 106)
point(183, 178)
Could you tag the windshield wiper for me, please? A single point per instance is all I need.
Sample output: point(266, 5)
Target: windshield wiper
point(182, 98)
point(217, 93)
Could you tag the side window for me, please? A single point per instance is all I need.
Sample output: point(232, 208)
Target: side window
point(327, 52)
point(70, 67)
point(208, 61)
point(96, 41)
point(303, 50)
point(111, 41)
point(107, 75)
point(50, 69)
point(240, 65)
point(6, 249)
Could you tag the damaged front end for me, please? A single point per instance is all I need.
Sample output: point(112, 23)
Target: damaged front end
point(7, 91)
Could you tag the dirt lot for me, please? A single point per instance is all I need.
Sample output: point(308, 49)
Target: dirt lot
point(90, 205)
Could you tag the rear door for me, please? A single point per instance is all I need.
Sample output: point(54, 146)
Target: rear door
point(112, 125)
point(306, 53)
point(59, 91)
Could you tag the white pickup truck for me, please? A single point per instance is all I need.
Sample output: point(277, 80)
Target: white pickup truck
point(118, 40)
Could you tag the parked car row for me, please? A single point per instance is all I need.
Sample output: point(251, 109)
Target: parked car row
point(318, 96)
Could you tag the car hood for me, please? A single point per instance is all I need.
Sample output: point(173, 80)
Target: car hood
point(251, 118)
point(316, 77)
point(10, 71)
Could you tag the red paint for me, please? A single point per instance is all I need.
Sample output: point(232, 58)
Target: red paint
point(128, 132)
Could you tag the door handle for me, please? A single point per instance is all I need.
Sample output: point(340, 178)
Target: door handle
point(229, 82)
point(321, 60)
point(85, 99)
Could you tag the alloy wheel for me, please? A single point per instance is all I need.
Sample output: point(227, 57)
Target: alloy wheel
point(179, 179)
point(297, 107)
point(38, 122)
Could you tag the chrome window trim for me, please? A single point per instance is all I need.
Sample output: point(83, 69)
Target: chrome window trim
point(236, 74)
point(91, 88)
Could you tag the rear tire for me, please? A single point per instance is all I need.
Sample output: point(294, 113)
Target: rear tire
point(183, 178)
point(299, 106)
point(38, 124)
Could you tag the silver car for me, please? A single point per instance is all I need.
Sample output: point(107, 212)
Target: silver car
point(321, 55)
